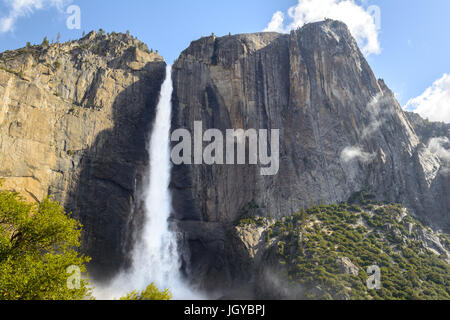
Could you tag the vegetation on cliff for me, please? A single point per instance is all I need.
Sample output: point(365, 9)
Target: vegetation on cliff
point(325, 252)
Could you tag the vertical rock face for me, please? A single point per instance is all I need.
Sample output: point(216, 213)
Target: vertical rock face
point(74, 120)
point(341, 131)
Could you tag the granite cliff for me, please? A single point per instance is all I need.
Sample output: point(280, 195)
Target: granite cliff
point(341, 131)
point(74, 120)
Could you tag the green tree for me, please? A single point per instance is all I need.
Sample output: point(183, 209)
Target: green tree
point(45, 42)
point(38, 245)
point(150, 293)
point(303, 216)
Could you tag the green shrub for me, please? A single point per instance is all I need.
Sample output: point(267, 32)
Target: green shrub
point(150, 293)
point(38, 243)
point(409, 271)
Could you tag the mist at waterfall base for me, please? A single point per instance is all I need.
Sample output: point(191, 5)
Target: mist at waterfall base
point(155, 256)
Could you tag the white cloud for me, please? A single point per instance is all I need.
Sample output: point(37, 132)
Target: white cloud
point(23, 8)
point(434, 103)
point(353, 153)
point(276, 24)
point(438, 147)
point(373, 127)
point(441, 148)
point(378, 114)
point(361, 23)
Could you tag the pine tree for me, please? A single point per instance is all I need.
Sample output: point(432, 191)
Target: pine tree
point(45, 42)
point(303, 216)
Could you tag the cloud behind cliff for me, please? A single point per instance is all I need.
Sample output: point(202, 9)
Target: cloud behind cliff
point(361, 23)
point(438, 147)
point(356, 153)
point(23, 8)
point(434, 103)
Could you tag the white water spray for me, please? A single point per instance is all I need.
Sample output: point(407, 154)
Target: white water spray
point(155, 257)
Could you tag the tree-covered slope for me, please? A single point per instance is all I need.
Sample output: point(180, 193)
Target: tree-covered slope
point(324, 253)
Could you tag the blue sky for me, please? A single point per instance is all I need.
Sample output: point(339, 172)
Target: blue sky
point(413, 37)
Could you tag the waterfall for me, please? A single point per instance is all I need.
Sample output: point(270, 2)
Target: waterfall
point(155, 257)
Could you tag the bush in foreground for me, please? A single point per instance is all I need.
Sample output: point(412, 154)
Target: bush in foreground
point(150, 293)
point(38, 245)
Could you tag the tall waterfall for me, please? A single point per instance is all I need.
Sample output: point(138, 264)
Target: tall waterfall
point(155, 257)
